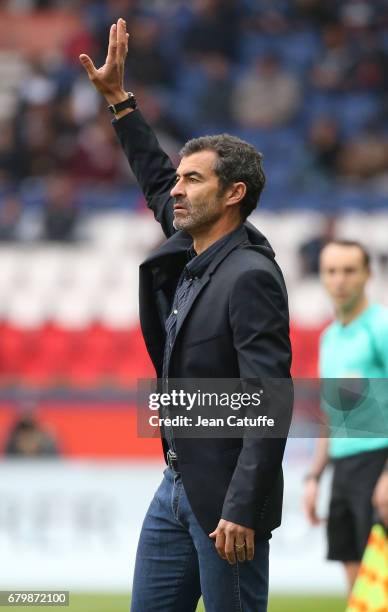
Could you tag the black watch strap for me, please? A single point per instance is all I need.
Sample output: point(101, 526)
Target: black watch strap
point(130, 102)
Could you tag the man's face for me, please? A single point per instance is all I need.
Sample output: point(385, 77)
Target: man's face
point(344, 274)
point(197, 201)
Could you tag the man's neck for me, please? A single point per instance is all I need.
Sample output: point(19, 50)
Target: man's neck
point(347, 316)
point(203, 240)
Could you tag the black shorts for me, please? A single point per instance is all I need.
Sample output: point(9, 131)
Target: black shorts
point(351, 513)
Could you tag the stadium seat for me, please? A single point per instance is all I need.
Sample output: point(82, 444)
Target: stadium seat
point(309, 304)
point(305, 343)
point(119, 309)
point(17, 346)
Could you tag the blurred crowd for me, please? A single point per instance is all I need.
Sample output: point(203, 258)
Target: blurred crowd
point(28, 438)
point(303, 80)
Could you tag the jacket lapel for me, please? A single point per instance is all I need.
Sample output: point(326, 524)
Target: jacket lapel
point(160, 260)
point(237, 239)
point(158, 276)
point(160, 272)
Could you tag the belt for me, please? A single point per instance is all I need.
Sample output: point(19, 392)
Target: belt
point(172, 461)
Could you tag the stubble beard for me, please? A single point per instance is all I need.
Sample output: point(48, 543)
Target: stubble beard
point(195, 220)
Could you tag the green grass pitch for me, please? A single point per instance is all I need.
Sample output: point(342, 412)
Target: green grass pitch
point(120, 603)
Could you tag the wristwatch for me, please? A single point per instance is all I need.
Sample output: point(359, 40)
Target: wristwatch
point(130, 102)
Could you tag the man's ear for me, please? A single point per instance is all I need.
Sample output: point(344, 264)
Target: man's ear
point(235, 193)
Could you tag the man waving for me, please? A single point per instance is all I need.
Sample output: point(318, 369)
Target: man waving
point(212, 305)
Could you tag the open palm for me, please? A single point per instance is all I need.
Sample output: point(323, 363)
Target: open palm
point(109, 79)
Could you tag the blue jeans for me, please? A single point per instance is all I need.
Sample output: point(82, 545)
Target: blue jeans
point(177, 561)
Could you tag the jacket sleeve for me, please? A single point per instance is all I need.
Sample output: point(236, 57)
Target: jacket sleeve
point(151, 166)
point(260, 325)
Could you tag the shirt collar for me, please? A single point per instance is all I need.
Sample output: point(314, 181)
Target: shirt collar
point(197, 264)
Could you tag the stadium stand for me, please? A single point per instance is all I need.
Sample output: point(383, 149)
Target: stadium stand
point(70, 314)
point(73, 224)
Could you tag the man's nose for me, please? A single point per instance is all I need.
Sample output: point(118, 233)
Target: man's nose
point(177, 190)
point(339, 281)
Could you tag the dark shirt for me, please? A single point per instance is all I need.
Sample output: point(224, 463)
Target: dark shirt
point(192, 272)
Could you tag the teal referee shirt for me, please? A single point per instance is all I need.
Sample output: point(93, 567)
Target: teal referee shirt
point(358, 421)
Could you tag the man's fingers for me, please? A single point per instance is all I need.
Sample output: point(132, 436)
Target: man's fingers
point(122, 39)
point(311, 510)
point(234, 543)
point(88, 65)
point(250, 546)
point(240, 550)
point(220, 544)
point(112, 47)
point(229, 548)
point(313, 517)
point(219, 537)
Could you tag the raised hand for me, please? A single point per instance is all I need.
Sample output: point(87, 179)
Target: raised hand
point(109, 79)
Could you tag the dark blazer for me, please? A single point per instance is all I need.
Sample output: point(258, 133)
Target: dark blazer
point(236, 326)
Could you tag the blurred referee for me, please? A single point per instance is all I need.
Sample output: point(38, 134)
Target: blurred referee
point(355, 345)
